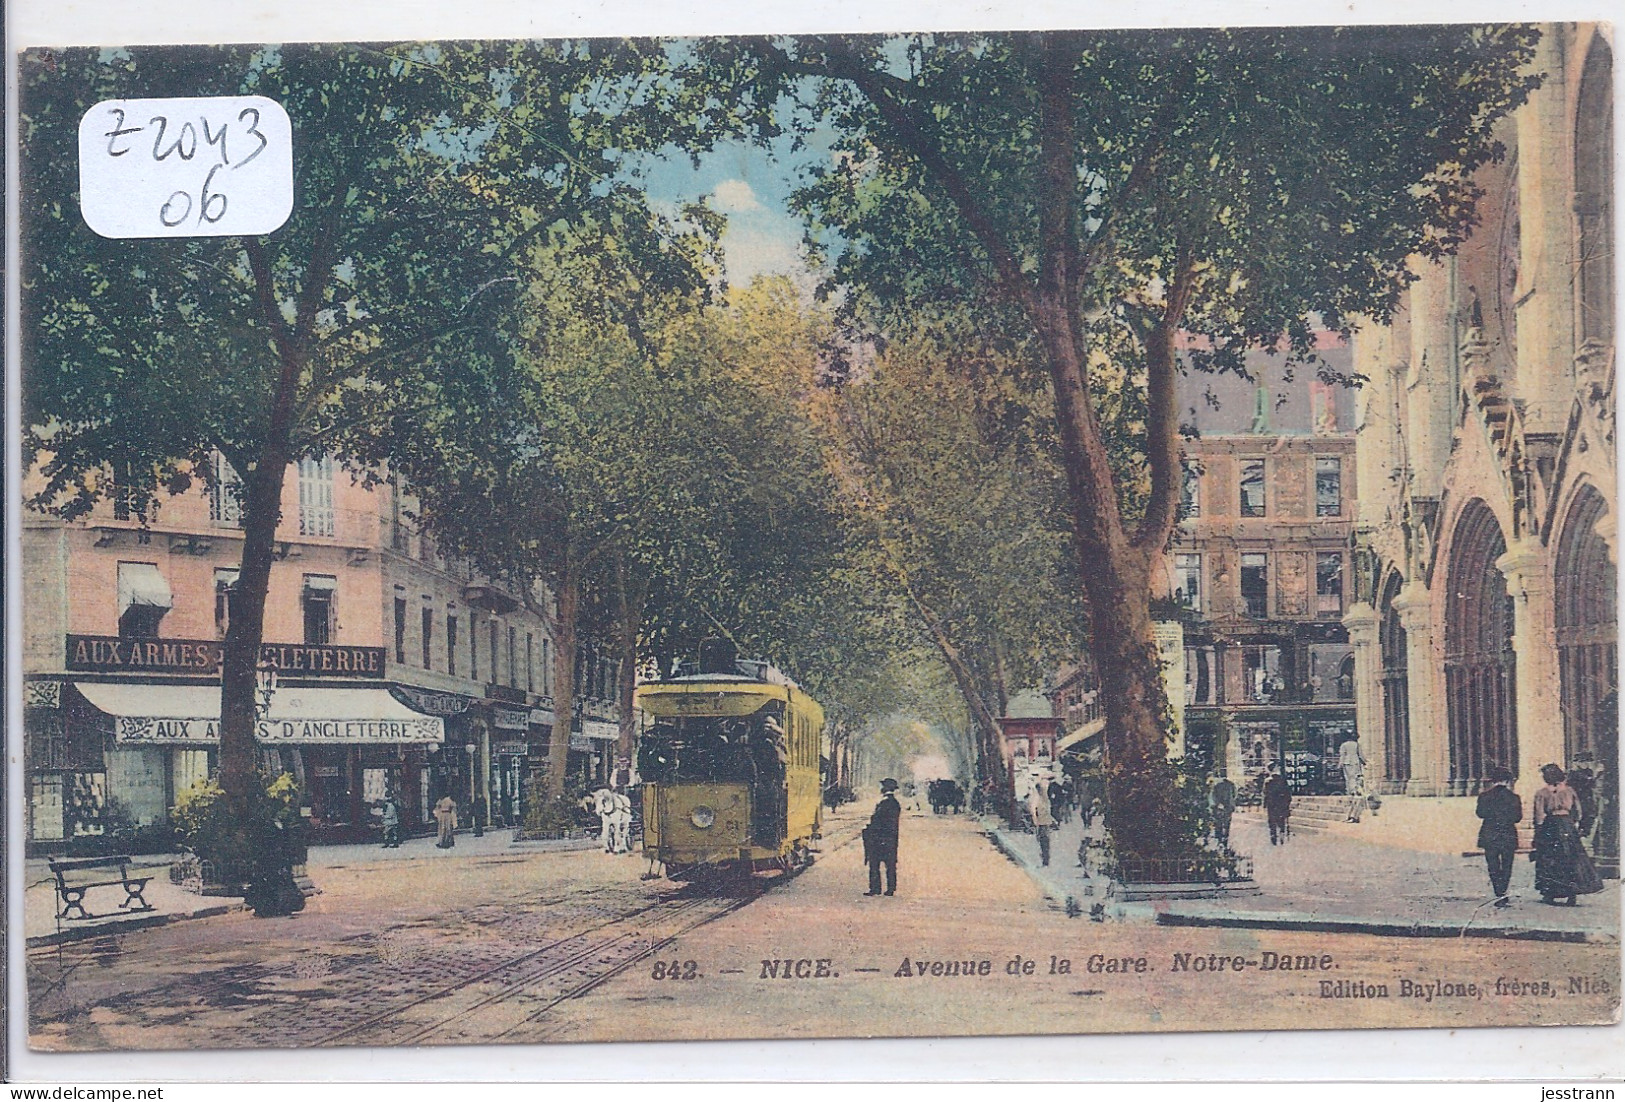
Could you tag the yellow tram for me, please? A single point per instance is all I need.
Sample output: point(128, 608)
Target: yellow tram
point(730, 768)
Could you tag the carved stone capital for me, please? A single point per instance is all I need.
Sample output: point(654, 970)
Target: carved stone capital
point(1362, 622)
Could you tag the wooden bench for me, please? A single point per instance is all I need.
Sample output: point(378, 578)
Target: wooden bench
point(77, 875)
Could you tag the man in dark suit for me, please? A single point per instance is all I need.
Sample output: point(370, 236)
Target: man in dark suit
point(880, 839)
point(1501, 810)
point(1277, 806)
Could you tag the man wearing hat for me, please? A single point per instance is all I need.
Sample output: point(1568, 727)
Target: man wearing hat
point(880, 839)
point(1501, 810)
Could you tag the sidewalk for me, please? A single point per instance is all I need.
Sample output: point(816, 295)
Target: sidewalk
point(1327, 882)
point(495, 843)
point(171, 903)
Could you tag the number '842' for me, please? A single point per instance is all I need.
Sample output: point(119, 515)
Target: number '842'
point(676, 970)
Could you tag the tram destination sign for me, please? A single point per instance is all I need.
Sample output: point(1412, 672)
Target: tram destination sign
point(109, 654)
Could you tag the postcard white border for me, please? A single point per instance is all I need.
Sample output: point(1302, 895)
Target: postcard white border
point(1493, 1054)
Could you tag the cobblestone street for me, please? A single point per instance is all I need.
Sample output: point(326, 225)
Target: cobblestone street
point(483, 944)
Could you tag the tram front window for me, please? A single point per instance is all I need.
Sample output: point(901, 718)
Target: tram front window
point(714, 749)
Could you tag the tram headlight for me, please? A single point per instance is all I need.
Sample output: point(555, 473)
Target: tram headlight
point(702, 817)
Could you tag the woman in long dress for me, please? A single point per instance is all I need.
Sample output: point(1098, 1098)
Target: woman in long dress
point(1562, 869)
point(445, 813)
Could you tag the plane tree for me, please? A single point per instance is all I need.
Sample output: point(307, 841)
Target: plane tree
point(1095, 194)
point(425, 176)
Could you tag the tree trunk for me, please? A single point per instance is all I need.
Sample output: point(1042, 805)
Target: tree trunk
point(630, 620)
point(1115, 573)
point(567, 602)
point(262, 513)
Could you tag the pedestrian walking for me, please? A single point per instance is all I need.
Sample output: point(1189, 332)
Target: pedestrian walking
point(1353, 766)
point(1221, 805)
point(445, 814)
point(1277, 806)
point(1501, 810)
point(1038, 806)
point(1562, 868)
point(880, 839)
point(1057, 802)
point(392, 824)
point(1352, 762)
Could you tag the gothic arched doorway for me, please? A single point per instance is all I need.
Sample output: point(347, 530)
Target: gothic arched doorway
point(1478, 664)
point(1587, 622)
point(1396, 693)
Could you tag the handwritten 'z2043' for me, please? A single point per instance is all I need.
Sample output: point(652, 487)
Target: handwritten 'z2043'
point(185, 145)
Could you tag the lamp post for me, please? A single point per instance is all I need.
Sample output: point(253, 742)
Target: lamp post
point(473, 802)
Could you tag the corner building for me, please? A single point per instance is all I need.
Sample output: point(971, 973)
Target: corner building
point(1257, 662)
point(1484, 620)
point(388, 669)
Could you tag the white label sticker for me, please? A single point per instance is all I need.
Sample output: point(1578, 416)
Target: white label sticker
point(206, 166)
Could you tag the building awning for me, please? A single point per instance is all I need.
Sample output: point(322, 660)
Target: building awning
point(173, 715)
point(139, 583)
point(1077, 738)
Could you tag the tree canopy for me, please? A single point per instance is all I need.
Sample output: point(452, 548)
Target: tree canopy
point(1095, 194)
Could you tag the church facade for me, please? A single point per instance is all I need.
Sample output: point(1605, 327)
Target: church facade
point(1484, 619)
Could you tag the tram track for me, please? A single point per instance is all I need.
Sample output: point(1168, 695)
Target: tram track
point(573, 963)
point(488, 973)
point(591, 966)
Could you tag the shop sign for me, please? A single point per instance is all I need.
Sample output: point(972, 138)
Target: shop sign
point(430, 701)
point(508, 719)
point(505, 693)
point(165, 730)
point(511, 748)
point(110, 654)
point(541, 717)
point(579, 741)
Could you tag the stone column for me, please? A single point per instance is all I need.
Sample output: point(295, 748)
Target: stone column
point(1362, 623)
point(1539, 710)
point(1546, 266)
point(1424, 684)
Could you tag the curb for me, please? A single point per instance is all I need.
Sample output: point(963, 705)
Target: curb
point(1379, 928)
point(143, 922)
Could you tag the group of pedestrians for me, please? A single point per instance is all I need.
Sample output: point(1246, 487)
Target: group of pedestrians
point(1563, 869)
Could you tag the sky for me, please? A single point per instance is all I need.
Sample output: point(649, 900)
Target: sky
point(751, 186)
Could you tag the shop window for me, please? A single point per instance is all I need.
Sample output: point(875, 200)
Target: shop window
point(1329, 584)
point(428, 638)
point(317, 601)
point(1255, 584)
point(225, 600)
point(1252, 488)
point(1190, 499)
point(316, 496)
point(225, 495)
point(451, 644)
point(1188, 582)
point(1261, 667)
point(400, 630)
point(143, 599)
point(1328, 487)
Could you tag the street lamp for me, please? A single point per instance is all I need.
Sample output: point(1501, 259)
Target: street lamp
point(264, 688)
